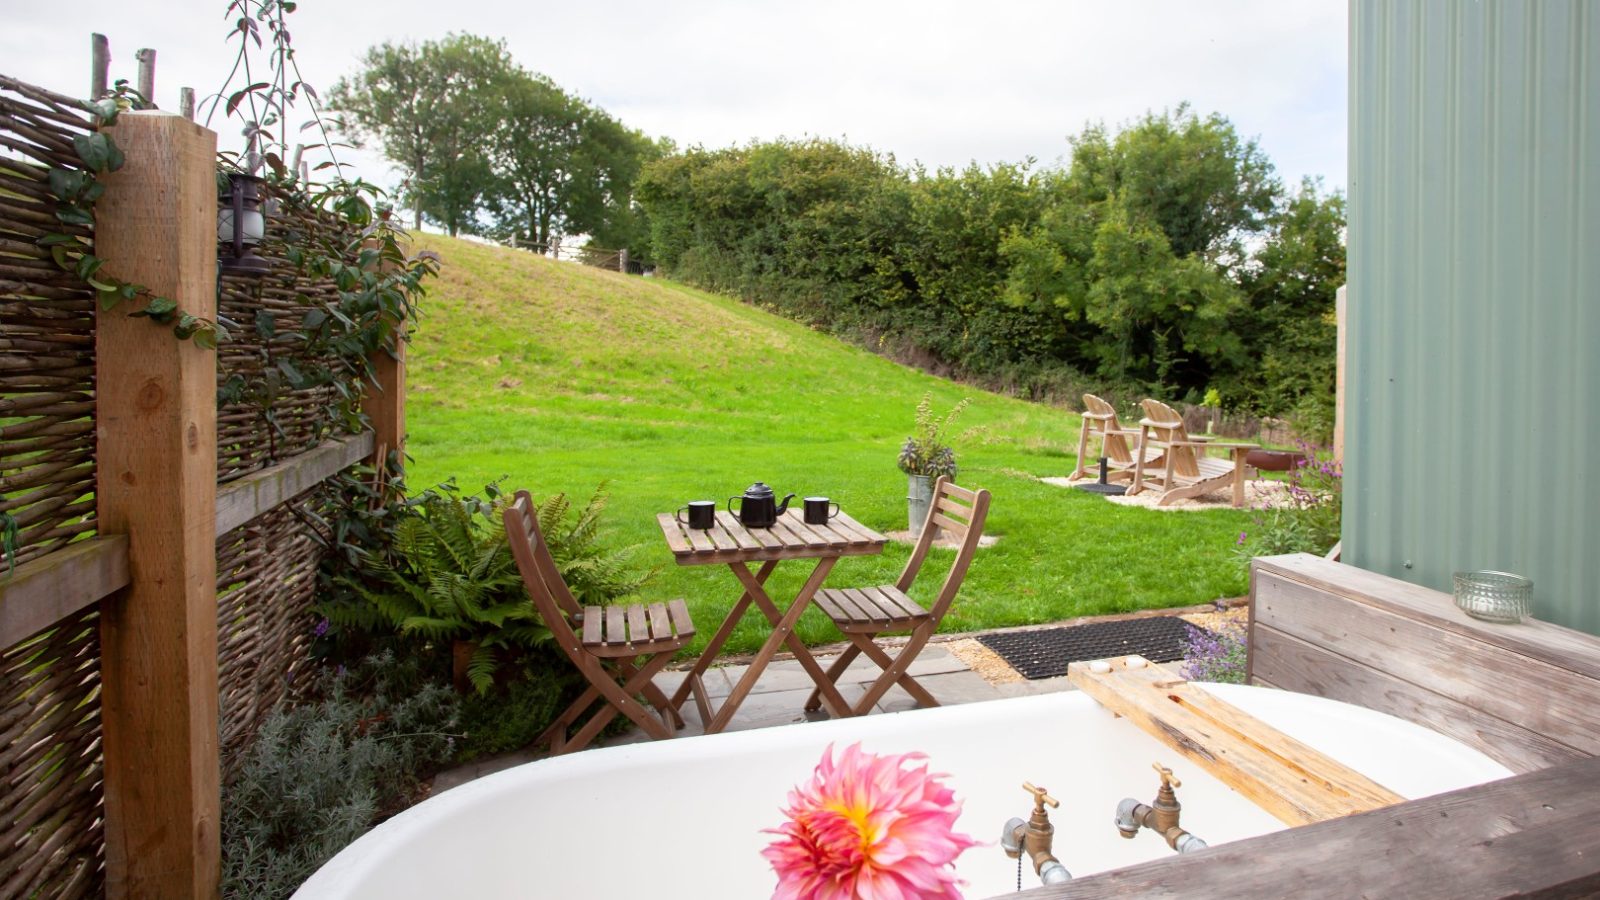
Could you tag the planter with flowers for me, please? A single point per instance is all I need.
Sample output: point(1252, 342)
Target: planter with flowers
point(925, 457)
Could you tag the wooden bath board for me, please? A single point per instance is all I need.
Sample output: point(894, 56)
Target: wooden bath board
point(1292, 781)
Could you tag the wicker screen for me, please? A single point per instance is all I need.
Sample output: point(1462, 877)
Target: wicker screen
point(46, 332)
point(274, 420)
point(266, 583)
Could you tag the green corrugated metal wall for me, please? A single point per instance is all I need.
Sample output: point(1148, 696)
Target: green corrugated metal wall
point(1473, 387)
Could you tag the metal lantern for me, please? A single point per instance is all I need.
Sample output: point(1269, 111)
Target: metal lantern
point(241, 226)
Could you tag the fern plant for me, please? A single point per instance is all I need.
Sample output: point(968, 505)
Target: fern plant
point(448, 576)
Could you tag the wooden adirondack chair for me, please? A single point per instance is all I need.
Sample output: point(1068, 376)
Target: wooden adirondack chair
point(1100, 420)
point(1184, 469)
point(620, 650)
point(864, 613)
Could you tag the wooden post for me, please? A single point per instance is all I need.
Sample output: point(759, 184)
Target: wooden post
point(384, 400)
point(186, 103)
point(157, 483)
point(622, 260)
point(147, 74)
point(99, 65)
point(1340, 350)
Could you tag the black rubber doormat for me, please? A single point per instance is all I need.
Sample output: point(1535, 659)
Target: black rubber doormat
point(1046, 652)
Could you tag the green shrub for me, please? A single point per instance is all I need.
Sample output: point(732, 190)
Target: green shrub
point(321, 774)
point(1306, 519)
point(447, 575)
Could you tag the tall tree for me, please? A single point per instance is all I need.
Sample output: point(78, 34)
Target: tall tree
point(430, 105)
point(563, 166)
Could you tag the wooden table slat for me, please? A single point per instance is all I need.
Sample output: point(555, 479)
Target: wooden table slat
point(827, 533)
point(673, 533)
point(660, 628)
point(679, 612)
point(592, 616)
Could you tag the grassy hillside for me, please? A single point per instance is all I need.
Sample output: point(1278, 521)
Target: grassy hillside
point(562, 377)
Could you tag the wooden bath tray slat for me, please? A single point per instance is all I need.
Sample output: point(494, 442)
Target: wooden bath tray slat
point(1292, 781)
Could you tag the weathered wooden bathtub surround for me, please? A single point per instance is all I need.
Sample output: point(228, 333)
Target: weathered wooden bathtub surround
point(1526, 695)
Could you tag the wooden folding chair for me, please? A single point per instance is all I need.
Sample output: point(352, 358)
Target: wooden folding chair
point(865, 613)
point(620, 650)
point(1100, 420)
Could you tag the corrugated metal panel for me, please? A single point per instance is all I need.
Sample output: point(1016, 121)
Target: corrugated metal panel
point(1473, 388)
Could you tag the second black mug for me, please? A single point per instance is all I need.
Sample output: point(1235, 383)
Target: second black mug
point(702, 514)
point(819, 510)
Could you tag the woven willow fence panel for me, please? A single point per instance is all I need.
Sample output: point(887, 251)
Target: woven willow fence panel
point(50, 771)
point(266, 418)
point(46, 331)
point(266, 583)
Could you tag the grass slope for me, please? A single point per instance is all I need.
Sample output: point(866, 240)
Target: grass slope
point(562, 377)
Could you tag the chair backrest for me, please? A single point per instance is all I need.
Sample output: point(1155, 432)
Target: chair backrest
point(551, 596)
point(1162, 423)
point(960, 512)
point(1100, 417)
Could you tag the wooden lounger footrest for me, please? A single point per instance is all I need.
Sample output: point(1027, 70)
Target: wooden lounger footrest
point(1291, 780)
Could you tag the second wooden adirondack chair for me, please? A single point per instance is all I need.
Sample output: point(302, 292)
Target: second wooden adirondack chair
point(1100, 425)
point(1184, 469)
point(864, 613)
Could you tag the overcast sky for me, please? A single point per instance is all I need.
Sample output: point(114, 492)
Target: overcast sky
point(935, 82)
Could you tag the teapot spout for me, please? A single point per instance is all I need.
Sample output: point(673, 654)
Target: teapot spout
point(785, 504)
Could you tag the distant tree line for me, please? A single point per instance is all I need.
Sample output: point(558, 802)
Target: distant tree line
point(487, 147)
point(1165, 258)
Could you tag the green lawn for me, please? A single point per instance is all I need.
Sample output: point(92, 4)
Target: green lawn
point(562, 377)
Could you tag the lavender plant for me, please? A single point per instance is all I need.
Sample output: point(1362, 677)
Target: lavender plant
point(1218, 656)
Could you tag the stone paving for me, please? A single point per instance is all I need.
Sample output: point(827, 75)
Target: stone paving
point(779, 699)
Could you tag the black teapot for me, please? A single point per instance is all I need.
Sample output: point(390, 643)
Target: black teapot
point(758, 506)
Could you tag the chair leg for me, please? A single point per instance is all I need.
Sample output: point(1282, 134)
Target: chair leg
point(620, 700)
point(895, 670)
point(835, 671)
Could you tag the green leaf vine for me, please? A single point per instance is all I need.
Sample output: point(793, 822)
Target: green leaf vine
point(76, 192)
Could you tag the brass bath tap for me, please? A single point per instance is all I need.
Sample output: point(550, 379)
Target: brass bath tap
point(1035, 837)
point(1160, 816)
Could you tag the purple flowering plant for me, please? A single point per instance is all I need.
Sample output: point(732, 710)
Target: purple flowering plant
point(1216, 655)
point(1305, 517)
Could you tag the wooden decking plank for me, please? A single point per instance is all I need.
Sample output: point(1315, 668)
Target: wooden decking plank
point(1292, 781)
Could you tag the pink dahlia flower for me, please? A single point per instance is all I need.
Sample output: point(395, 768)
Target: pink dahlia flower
point(868, 827)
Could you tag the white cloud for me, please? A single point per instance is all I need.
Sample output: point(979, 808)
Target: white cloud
point(940, 82)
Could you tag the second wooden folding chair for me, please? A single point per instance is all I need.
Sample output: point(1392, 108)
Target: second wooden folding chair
point(865, 613)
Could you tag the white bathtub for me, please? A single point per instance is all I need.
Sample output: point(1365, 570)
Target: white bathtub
point(683, 818)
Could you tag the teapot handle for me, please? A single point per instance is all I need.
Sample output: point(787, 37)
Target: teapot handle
point(731, 510)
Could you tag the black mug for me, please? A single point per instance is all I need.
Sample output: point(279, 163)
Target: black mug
point(702, 514)
point(819, 510)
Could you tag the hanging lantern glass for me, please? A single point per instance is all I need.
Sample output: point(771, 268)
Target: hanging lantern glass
point(241, 226)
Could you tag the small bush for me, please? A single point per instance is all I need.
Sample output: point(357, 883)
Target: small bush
point(321, 774)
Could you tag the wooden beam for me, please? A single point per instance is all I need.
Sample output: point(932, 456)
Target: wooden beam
point(43, 591)
point(157, 483)
point(1294, 782)
point(384, 400)
point(259, 492)
point(1530, 836)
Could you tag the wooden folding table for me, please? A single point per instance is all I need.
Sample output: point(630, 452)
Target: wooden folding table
point(731, 544)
